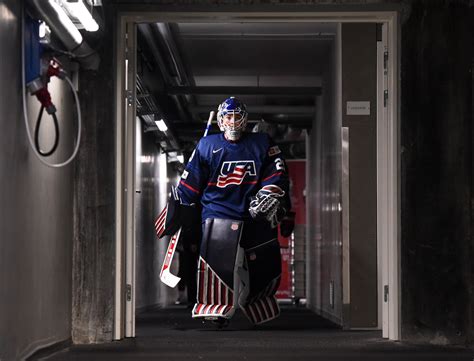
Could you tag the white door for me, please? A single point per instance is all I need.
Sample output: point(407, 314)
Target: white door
point(130, 129)
point(124, 299)
point(387, 182)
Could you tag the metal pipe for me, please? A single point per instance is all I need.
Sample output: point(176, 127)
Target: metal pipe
point(244, 90)
point(165, 32)
point(181, 78)
point(266, 109)
point(148, 36)
point(88, 58)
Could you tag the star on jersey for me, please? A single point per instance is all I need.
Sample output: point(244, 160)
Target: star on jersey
point(234, 172)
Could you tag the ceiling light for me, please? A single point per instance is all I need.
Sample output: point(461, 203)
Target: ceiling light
point(67, 23)
point(146, 159)
point(77, 9)
point(161, 125)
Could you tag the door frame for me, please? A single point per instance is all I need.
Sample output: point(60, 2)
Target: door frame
point(388, 145)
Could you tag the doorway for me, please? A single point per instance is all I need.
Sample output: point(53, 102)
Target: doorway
point(387, 146)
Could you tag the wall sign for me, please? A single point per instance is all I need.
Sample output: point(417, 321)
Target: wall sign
point(358, 108)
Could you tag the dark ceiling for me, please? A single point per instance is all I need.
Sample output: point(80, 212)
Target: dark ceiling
point(186, 69)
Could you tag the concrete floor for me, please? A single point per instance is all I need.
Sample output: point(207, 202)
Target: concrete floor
point(297, 335)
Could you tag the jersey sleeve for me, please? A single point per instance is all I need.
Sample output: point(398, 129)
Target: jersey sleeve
point(194, 178)
point(274, 170)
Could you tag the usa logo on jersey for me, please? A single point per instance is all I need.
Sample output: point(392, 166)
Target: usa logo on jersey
point(234, 172)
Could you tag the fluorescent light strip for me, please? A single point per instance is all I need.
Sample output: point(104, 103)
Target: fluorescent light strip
point(68, 24)
point(161, 125)
point(80, 12)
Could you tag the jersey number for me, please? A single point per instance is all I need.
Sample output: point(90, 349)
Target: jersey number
point(279, 164)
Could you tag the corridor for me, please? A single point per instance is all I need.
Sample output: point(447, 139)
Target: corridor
point(369, 105)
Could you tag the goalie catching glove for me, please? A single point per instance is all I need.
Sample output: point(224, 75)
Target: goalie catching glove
point(174, 215)
point(266, 204)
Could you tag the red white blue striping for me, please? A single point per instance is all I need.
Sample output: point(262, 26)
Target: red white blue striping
point(214, 298)
point(262, 310)
point(263, 307)
point(160, 222)
point(237, 175)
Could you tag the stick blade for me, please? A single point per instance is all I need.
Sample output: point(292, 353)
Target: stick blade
point(168, 278)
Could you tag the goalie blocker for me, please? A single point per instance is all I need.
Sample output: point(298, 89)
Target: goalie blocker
point(239, 266)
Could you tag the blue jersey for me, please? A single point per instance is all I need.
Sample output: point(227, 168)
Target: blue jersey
point(223, 175)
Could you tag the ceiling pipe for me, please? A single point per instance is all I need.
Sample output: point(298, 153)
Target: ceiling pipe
point(244, 90)
point(148, 102)
point(164, 31)
point(182, 79)
point(145, 29)
point(148, 36)
point(74, 43)
point(266, 109)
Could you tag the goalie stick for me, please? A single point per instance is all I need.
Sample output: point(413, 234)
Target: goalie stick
point(166, 276)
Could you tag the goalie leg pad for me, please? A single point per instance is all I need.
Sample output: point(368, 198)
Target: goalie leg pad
point(263, 310)
point(263, 262)
point(220, 254)
point(264, 267)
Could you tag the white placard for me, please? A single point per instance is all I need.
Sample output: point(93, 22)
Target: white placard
point(358, 108)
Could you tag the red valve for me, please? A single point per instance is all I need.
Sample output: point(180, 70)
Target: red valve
point(45, 99)
point(55, 69)
point(39, 87)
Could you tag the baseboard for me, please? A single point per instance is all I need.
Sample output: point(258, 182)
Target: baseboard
point(328, 316)
point(48, 350)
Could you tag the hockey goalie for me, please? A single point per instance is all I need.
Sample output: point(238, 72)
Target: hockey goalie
point(241, 181)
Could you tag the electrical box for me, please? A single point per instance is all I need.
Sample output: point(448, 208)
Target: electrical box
point(33, 50)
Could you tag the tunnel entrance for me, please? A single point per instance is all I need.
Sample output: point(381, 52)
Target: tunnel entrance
point(333, 113)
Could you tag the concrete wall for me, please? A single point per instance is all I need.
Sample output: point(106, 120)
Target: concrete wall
point(36, 209)
point(94, 198)
point(436, 173)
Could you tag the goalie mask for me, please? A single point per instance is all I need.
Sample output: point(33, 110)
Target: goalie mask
point(232, 118)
